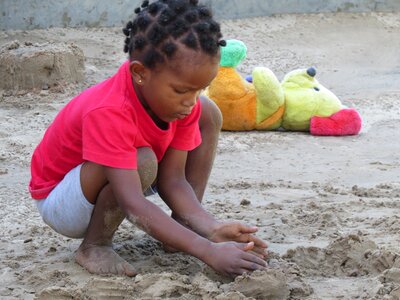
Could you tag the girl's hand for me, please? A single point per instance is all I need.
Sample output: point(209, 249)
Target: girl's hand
point(233, 259)
point(238, 232)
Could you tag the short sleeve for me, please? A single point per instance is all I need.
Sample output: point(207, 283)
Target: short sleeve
point(108, 138)
point(187, 136)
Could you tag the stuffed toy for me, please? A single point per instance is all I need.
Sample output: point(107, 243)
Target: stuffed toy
point(261, 102)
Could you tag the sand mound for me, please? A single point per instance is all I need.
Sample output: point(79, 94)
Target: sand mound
point(351, 255)
point(28, 66)
point(270, 284)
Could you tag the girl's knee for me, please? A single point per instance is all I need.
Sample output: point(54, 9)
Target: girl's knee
point(211, 116)
point(147, 166)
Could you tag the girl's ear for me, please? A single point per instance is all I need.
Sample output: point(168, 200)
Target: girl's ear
point(139, 72)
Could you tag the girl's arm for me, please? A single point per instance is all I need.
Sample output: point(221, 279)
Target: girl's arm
point(178, 194)
point(148, 216)
point(227, 258)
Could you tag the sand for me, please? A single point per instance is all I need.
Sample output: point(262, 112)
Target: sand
point(327, 206)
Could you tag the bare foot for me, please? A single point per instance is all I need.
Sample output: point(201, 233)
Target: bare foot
point(103, 260)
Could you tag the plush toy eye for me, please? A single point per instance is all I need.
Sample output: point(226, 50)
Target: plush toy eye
point(249, 78)
point(317, 89)
point(311, 72)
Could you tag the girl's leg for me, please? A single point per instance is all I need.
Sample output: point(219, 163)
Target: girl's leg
point(95, 253)
point(200, 160)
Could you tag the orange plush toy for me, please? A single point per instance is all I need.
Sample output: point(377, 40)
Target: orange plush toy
point(245, 106)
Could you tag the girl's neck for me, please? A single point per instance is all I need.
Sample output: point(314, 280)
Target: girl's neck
point(160, 123)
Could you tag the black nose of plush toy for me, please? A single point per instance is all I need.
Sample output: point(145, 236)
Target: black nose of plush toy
point(312, 72)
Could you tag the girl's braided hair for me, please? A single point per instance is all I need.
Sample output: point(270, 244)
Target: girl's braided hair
point(158, 28)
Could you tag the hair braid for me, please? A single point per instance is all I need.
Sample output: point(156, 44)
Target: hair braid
point(160, 26)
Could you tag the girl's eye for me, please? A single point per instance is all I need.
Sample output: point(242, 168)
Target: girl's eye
point(180, 91)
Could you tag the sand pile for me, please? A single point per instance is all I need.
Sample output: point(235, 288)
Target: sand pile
point(31, 65)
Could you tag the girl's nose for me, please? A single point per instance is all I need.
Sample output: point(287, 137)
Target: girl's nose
point(191, 101)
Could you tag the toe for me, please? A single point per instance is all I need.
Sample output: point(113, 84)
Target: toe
point(129, 270)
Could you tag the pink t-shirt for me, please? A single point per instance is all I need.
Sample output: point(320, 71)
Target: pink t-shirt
point(105, 124)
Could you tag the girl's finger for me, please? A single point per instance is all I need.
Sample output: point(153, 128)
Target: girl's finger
point(254, 259)
point(257, 242)
point(260, 252)
point(245, 246)
point(239, 272)
point(250, 266)
point(248, 229)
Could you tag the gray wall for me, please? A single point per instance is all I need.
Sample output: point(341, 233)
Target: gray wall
point(30, 14)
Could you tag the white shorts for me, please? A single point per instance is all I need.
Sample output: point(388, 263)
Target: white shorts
point(66, 209)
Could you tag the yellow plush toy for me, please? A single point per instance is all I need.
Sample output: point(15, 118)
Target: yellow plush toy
point(261, 102)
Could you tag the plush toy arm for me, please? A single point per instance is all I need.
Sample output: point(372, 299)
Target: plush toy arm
point(269, 92)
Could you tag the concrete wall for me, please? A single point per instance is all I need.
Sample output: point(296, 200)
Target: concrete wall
point(253, 8)
point(30, 14)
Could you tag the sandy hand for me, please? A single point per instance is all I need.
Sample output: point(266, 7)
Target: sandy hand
point(238, 232)
point(233, 259)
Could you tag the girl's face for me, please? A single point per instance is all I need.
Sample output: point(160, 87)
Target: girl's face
point(170, 91)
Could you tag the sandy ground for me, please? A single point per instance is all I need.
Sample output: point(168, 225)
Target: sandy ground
point(328, 206)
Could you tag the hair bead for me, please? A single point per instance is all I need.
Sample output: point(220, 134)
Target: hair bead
point(143, 22)
point(153, 9)
point(169, 49)
point(157, 34)
point(205, 13)
point(126, 31)
point(222, 43)
point(126, 48)
point(145, 3)
point(140, 42)
point(192, 16)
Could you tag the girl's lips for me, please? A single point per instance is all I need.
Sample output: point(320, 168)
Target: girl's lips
point(182, 116)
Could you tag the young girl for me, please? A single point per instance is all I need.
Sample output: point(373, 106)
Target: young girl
point(144, 129)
